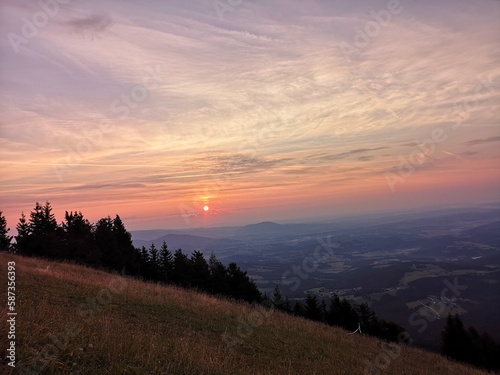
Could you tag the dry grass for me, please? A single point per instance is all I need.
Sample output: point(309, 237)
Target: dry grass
point(77, 320)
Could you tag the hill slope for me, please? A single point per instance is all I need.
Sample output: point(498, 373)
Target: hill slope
point(73, 319)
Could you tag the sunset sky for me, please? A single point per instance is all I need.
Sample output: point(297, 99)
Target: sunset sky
point(262, 110)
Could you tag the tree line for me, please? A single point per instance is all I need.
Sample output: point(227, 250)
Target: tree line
point(107, 244)
point(467, 345)
point(339, 312)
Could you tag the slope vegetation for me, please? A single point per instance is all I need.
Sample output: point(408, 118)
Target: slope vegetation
point(77, 320)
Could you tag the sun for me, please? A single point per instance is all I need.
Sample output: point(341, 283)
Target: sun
point(205, 208)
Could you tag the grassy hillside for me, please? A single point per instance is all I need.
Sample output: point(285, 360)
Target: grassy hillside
point(76, 320)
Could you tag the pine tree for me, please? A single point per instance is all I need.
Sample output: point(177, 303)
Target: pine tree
point(107, 245)
point(279, 301)
point(312, 308)
point(298, 309)
point(46, 236)
point(78, 237)
point(200, 271)
point(125, 247)
point(23, 239)
point(144, 262)
point(240, 285)
point(154, 264)
point(334, 315)
point(456, 342)
point(468, 346)
point(181, 274)
point(218, 281)
point(4, 237)
point(348, 316)
point(368, 320)
point(166, 262)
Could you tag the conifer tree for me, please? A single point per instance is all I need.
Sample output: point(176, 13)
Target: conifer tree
point(298, 309)
point(78, 239)
point(218, 281)
point(107, 244)
point(23, 238)
point(154, 264)
point(333, 315)
point(166, 262)
point(182, 269)
point(240, 285)
point(4, 237)
point(456, 342)
point(279, 301)
point(46, 236)
point(368, 320)
point(200, 271)
point(312, 309)
point(125, 247)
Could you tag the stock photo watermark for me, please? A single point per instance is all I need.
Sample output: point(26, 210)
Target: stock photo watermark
point(423, 151)
point(420, 318)
point(223, 6)
point(363, 37)
point(31, 26)
point(297, 273)
point(94, 138)
point(11, 313)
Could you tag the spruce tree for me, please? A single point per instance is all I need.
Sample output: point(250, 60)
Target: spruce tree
point(241, 286)
point(200, 271)
point(312, 309)
point(154, 264)
point(166, 262)
point(23, 239)
point(218, 281)
point(181, 274)
point(46, 236)
point(106, 243)
point(456, 342)
point(4, 237)
point(279, 301)
point(78, 237)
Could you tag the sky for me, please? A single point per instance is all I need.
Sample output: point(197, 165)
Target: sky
point(281, 110)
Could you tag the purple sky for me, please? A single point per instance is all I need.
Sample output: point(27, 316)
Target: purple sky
point(265, 110)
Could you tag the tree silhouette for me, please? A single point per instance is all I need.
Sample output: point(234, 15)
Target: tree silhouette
point(154, 264)
point(456, 342)
point(4, 237)
point(23, 239)
point(279, 301)
point(240, 285)
point(166, 262)
point(468, 346)
point(107, 245)
point(46, 238)
point(182, 269)
point(333, 315)
point(312, 308)
point(218, 282)
point(200, 271)
point(78, 239)
point(368, 320)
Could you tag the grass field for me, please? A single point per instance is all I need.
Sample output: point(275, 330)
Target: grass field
point(77, 320)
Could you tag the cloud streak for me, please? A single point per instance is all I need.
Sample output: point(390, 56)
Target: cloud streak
point(260, 107)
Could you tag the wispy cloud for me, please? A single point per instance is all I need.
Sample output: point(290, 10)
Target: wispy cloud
point(483, 140)
point(261, 102)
